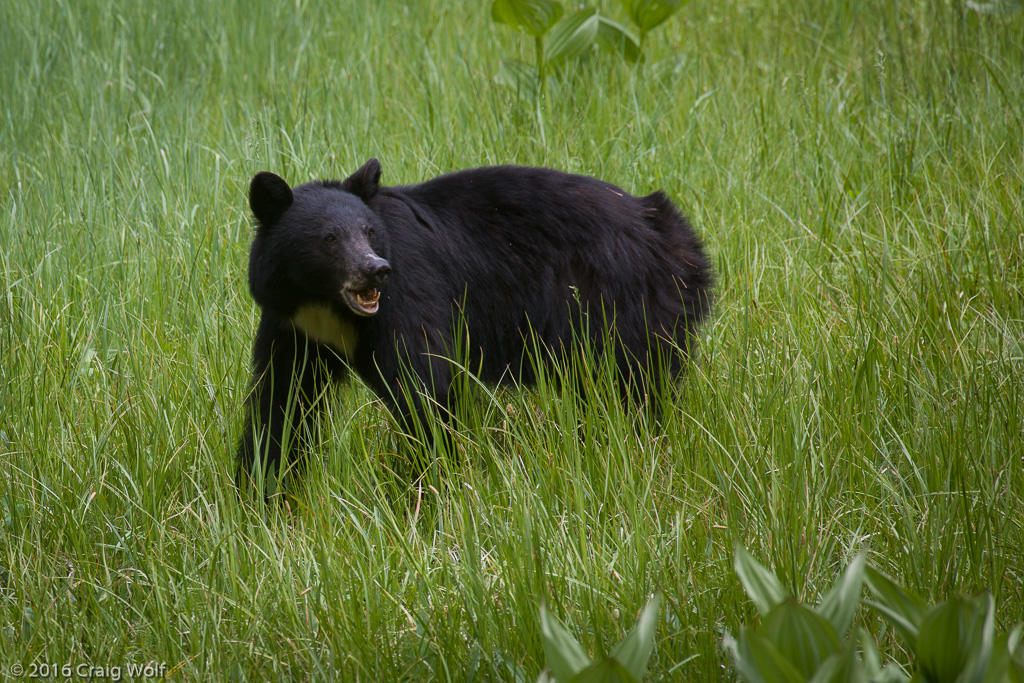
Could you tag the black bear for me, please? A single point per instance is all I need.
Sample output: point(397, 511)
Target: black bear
point(383, 279)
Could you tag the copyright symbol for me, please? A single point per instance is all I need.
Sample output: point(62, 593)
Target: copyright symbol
point(17, 670)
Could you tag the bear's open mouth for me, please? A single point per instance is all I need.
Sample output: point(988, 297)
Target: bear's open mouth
point(364, 302)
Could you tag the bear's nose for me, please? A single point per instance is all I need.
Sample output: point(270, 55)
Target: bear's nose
point(379, 271)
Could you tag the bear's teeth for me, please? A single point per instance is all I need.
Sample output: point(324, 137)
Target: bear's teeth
point(368, 297)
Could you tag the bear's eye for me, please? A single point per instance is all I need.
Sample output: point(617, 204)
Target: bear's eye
point(369, 233)
point(329, 237)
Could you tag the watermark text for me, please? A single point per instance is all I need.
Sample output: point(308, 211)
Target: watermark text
point(88, 671)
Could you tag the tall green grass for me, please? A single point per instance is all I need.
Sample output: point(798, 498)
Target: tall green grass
point(855, 168)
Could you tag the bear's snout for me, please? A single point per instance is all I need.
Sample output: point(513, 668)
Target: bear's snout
point(377, 271)
point(361, 293)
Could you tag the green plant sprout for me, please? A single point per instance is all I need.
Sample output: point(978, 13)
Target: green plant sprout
point(557, 39)
point(567, 662)
point(953, 642)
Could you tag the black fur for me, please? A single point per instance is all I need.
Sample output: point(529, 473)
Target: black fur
point(513, 255)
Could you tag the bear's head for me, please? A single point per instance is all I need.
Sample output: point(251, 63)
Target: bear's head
point(318, 243)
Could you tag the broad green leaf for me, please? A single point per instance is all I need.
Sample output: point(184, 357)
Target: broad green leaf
point(804, 638)
point(948, 636)
point(573, 36)
point(999, 665)
point(607, 670)
point(982, 638)
point(769, 663)
point(890, 674)
point(842, 667)
point(995, 6)
point(857, 663)
point(647, 14)
point(832, 670)
point(532, 17)
point(1015, 651)
point(841, 602)
point(906, 627)
point(613, 36)
point(565, 656)
point(745, 664)
point(904, 610)
point(1015, 641)
point(634, 650)
point(759, 583)
point(520, 77)
point(872, 658)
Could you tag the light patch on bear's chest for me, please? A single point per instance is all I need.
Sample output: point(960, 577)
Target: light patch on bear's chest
point(321, 325)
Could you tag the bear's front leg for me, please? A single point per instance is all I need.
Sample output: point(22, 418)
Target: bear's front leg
point(290, 379)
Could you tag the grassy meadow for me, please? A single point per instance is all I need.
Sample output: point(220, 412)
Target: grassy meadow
point(855, 168)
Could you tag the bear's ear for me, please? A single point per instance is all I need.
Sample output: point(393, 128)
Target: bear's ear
point(365, 182)
point(269, 196)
